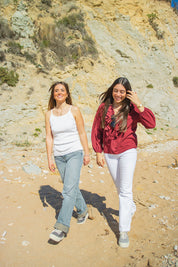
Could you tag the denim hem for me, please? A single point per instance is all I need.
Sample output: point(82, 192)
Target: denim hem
point(61, 227)
point(83, 213)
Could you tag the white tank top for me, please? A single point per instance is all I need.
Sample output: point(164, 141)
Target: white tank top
point(65, 134)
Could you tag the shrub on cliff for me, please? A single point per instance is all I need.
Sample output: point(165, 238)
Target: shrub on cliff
point(9, 77)
point(47, 2)
point(151, 18)
point(14, 48)
point(5, 31)
point(73, 21)
point(175, 81)
point(68, 39)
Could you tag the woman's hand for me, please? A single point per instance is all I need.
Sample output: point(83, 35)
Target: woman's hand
point(100, 159)
point(132, 96)
point(86, 159)
point(51, 166)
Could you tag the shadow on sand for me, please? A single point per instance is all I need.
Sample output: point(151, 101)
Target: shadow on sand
point(52, 197)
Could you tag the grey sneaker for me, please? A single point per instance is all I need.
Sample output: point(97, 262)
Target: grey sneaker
point(123, 240)
point(57, 235)
point(81, 220)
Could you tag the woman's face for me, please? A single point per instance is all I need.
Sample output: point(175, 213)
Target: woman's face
point(60, 93)
point(118, 93)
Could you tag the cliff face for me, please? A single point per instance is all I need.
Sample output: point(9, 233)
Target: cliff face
point(87, 44)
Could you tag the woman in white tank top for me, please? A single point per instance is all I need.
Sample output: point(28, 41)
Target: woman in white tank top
point(66, 139)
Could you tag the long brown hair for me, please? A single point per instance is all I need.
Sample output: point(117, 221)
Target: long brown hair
point(107, 98)
point(52, 101)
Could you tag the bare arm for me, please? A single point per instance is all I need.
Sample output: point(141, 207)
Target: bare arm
point(82, 134)
point(146, 116)
point(49, 142)
point(97, 137)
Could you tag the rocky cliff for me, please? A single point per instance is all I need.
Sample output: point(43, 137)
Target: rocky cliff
point(88, 44)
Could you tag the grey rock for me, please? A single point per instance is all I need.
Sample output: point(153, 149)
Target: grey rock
point(77, 92)
point(31, 168)
point(6, 87)
point(22, 24)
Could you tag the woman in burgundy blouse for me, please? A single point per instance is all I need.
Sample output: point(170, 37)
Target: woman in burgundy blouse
point(113, 133)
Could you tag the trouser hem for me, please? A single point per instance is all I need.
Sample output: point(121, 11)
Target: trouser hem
point(61, 227)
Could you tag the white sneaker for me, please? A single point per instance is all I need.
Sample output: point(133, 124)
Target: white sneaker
point(83, 219)
point(57, 235)
point(123, 240)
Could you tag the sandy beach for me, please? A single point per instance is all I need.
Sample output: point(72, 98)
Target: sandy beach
point(30, 203)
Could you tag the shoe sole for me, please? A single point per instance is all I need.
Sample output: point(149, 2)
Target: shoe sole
point(55, 238)
point(86, 217)
point(123, 245)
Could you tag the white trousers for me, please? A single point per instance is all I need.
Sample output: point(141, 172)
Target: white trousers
point(121, 167)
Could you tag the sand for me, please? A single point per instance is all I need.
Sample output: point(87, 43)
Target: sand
point(29, 204)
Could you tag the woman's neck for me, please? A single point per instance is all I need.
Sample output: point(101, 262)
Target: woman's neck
point(60, 106)
point(116, 107)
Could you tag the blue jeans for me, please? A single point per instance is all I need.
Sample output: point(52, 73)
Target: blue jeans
point(69, 167)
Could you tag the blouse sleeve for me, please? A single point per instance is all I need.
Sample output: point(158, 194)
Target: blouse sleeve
point(97, 131)
point(147, 118)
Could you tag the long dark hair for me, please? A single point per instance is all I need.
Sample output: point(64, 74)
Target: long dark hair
point(107, 98)
point(52, 101)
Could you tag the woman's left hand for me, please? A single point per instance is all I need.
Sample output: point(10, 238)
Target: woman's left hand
point(86, 159)
point(132, 96)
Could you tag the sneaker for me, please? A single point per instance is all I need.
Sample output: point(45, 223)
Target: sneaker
point(123, 240)
point(57, 235)
point(81, 220)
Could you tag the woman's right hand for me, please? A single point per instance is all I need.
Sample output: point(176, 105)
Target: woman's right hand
point(51, 166)
point(100, 159)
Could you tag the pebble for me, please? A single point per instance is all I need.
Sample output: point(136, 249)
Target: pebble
point(163, 197)
point(25, 243)
point(101, 181)
point(170, 261)
point(44, 171)
point(175, 247)
point(101, 172)
point(17, 179)
point(90, 166)
point(4, 234)
point(153, 206)
point(6, 180)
